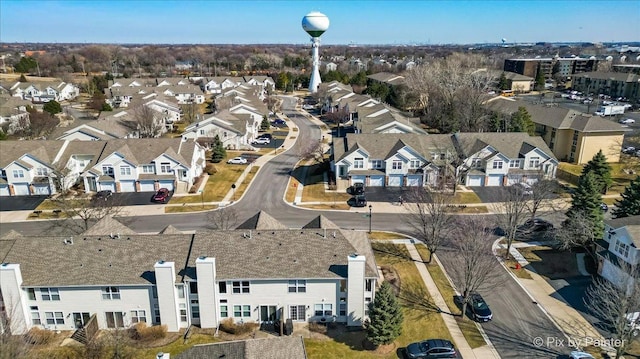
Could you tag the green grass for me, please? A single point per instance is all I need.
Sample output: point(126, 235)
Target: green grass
point(382, 235)
point(189, 208)
point(218, 184)
point(466, 197)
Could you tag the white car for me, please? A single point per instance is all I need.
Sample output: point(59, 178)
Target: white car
point(580, 355)
point(237, 161)
point(627, 121)
point(261, 141)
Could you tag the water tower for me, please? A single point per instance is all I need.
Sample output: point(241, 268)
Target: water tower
point(315, 24)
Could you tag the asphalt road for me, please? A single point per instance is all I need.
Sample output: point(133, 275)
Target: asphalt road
point(517, 321)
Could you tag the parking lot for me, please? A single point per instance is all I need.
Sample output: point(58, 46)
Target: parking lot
point(20, 203)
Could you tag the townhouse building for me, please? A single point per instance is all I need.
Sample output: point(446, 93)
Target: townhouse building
point(13, 113)
point(40, 91)
point(121, 165)
point(236, 131)
point(620, 244)
point(178, 280)
point(409, 159)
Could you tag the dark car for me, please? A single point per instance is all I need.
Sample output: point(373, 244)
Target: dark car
point(604, 207)
point(479, 309)
point(431, 348)
point(104, 194)
point(534, 225)
point(357, 201)
point(357, 188)
point(279, 122)
point(162, 195)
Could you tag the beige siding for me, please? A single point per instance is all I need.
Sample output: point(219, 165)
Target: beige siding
point(590, 144)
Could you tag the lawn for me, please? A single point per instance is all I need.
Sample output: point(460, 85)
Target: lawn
point(512, 264)
point(247, 180)
point(467, 326)
point(49, 204)
point(467, 209)
point(550, 263)
point(327, 206)
point(314, 191)
point(189, 208)
point(418, 322)
point(620, 178)
point(381, 235)
point(466, 197)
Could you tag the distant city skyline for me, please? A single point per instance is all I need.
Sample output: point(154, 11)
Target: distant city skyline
point(357, 22)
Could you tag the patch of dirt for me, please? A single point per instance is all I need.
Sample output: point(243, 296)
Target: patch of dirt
point(390, 275)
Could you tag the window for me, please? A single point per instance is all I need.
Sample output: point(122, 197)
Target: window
point(183, 312)
point(31, 293)
point(35, 316)
point(222, 287)
point(368, 285)
point(50, 293)
point(367, 303)
point(114, 319)
point(110, 293)
point(148, 168)
point(138, 316)
point(622, 248)
point(240, 311)
point(54, 318)
point(240, 287)
point(534, 162)
point(342, 307)
point(323, 310)
point(156, 313)
point(376, 163)
point(18, 173)
point(193, 287)
point(201, 132)
point(297, 286)
point(415, 164)
point(396, 165)
point(514, 164)
point(195, 308)
point(125, 170)
point(165, 167)
point(497, 164)
point(154, 292)
point(42, 172)
point(224, 311)
point(180, 289)
point(107, 170)
point(476, 162)
point(297, 312)
point(358, 163)
point(224, 134)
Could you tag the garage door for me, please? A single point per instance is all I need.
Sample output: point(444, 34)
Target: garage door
point(475, 181)
point(357, 179)
point(395, 181)
point(4, 190)
point(414, 180)
point(376, 181)
point(42, 189)
point(166, 184)
point(21, 189)
point(104, 186)
point(127, 186)
point(495, 180)
point(147, 186)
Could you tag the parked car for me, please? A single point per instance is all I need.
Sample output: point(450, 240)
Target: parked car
point(357, 188)
point(534, 225)
point(580, 355)
point(266, 135)
point(480, 311)
point(604, 207)
point(431, 348)
point(629, 150)
point(627, 121)
point(261, 141)
point(523, 188)
point(279, 122)
point(162, 195)
point(104, 194)
point(357, 201)
point(237, 161)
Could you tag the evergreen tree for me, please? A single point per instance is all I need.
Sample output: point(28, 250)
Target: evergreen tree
point(359, 79)
point(521, 122)
point(585, 202)
point(25, 65)
point(503, 83)
point(599, 166)
point(22, 78)
point(629, 205)
point(540, 80)
point(219, 153)
point(264, 125)
point(385, 317)
point(52, 107)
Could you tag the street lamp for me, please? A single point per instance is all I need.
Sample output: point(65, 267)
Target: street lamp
point(369, 219)
point(233, 187)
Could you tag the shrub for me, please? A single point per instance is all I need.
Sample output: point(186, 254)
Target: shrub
point(142, 332)
point(229, 326)
point(316, 327)
point(210, 169)
point(39, 336)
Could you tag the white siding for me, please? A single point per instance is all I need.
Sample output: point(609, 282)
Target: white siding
point(376, 181)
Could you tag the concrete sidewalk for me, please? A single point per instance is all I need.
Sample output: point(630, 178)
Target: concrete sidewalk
point(462, 346)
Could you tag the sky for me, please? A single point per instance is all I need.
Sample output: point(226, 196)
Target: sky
point(351, 22)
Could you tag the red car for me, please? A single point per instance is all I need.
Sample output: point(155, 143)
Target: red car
point(162, 195)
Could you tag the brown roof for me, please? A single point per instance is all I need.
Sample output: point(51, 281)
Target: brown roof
point(263, 348)
point(44, 151)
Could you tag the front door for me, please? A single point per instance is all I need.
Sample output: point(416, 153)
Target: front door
point(92, 184)
point(268, 313)
point(80, 319)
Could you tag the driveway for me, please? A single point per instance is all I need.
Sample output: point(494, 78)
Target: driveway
point(387, 194)
point(20, 203)
point(490, 194)
point(133, 198)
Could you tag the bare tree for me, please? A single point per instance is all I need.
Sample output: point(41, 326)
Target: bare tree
point(613, 303)
point(222, 219)
point(146, 122)
point(77, 215)
point(577, 233)
point(429, 217)
point(190, 112)
point(314, 151)
point(542, 194)
point(511, 212)
point(473, 266)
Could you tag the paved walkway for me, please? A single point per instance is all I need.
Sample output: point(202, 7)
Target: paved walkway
point(462, 346)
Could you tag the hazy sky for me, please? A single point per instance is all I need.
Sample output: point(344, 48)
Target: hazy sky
point(360, 22)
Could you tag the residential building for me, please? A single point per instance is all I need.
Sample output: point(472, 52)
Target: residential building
point(45, 91)
point(571, 135)
point(620, 244)
point(236, 131)
point(178, 280)
point(13, 114)
point(614, 84)
point(387, 78)
point(379, 118)
point(517, 83)
point(264, 348)
point(564, 66)
point(408, 159)
point(184, 93)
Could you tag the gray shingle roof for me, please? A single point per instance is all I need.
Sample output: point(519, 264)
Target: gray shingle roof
point(632, 224)
point(108, 226)
point(263, 348)
point(616, 76)
point(261, 220)
point(380, 146)
point(44, 151)
point(511, 144)
point(320, 222)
